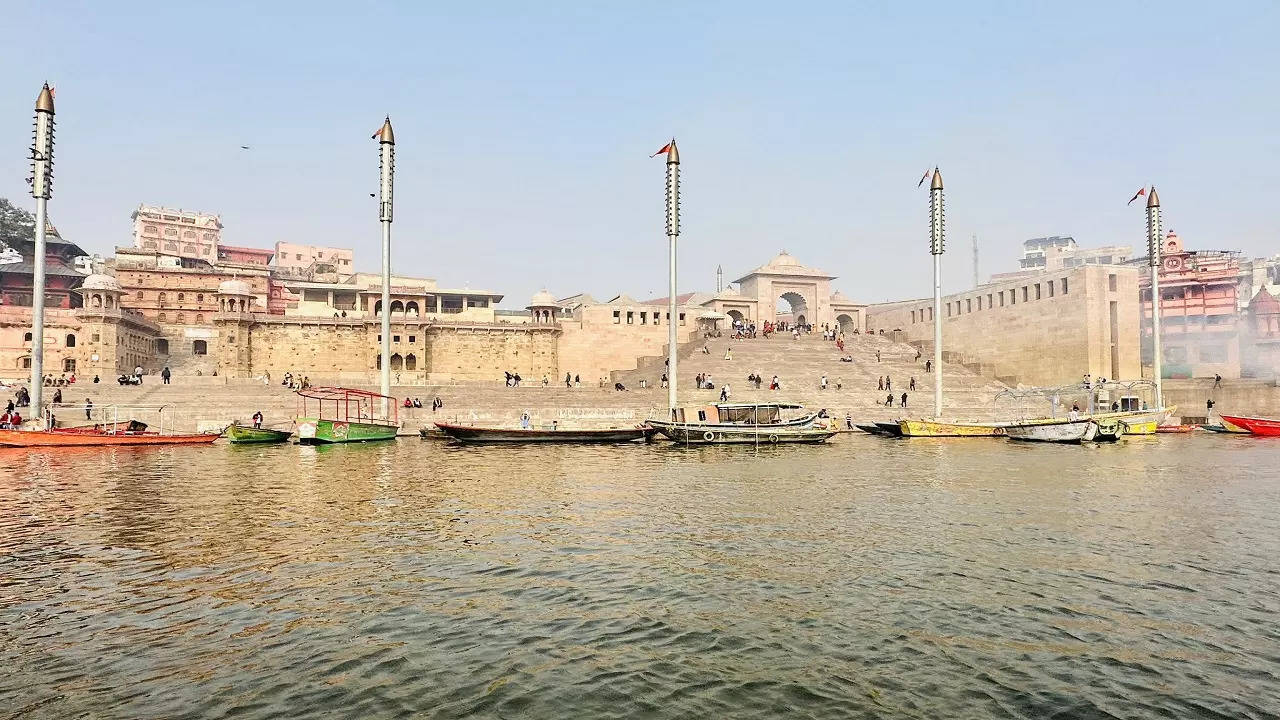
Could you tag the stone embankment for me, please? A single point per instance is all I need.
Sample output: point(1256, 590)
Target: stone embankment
point(195, 401)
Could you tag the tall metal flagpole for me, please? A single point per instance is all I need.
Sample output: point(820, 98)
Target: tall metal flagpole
point(937, 234)
point(1154, 241)
point(41, 190)
point(673, 232)
point(387, 170)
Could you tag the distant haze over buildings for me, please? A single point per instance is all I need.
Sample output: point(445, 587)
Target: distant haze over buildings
point(523, 132)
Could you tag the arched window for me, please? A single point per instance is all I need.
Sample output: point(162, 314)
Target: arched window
point(26, 337)
point(200, 297)
point(397, 362)
point(182, 296)
point(378, 364)
point(199, 318)
point(199, 347)
point(138, 296)
point(96, 301)
point(189, 234)
point(182, 317)
point(411, 308)
point(410, 362)
point(162, 298)
point(397, 306)
point(162, 317)
point(377, 308)
point(71, 340)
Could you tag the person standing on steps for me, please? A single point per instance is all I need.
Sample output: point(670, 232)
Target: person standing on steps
point(888, 401)
point(888, 384)
point(137, 372)
point(928, 365)
point(724, 393)
point(822, 385)
point(912, 385)
point(88, 408)
point(877, 356)
point(164, 374)
point(880, 382)
point(257, 419)
point(568, 381)
point(904, 399)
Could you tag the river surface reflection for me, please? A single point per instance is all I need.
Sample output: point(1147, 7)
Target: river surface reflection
point(870, 577)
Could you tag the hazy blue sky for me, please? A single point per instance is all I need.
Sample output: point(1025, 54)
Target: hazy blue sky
point(524, 128)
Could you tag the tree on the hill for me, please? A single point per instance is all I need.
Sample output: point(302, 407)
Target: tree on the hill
point(16, 224)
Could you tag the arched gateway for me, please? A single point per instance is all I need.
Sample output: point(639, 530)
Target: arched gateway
point(785, 288)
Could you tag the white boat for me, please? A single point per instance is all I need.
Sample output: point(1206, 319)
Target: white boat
point(1072, 431)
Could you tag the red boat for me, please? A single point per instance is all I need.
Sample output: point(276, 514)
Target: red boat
point(87, 436)
point(1256, 426)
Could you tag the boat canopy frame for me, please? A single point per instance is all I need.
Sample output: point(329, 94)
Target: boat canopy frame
point(1021, 394)
point(342, 401)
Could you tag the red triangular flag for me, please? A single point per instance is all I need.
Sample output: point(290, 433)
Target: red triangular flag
point(1137, 195)
point(665, 149)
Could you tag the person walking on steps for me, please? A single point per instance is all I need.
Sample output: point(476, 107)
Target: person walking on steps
point(165, 374)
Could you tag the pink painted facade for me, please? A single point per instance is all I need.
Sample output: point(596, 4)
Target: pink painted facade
point(301, 257)
point(180, 233)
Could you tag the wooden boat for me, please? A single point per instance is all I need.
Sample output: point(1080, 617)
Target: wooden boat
point(1139, 427)
point(1175, 428)
point(874, 429)
point(1075, 431)
point(245, 434)
point(1255, 426)
point(341, 415)
point(86, 437)
point(743, 423)
point(935, 428)
point(476, 434)
point(892, 429)
point(743, 435)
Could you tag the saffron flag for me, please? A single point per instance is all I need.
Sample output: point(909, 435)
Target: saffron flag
point(927, 174)
point(665, 149)
point(1137, 195)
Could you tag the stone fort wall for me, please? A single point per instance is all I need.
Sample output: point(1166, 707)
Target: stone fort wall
point(1047, 330)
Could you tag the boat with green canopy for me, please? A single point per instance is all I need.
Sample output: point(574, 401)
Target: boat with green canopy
point(341, 415)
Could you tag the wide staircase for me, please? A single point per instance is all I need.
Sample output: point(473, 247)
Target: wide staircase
point(851, 386)
point(194, 402)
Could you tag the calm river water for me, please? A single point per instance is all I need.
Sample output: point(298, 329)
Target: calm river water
point(867, 578)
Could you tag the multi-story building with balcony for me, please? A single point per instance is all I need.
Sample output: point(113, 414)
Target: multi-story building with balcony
point(180, 233)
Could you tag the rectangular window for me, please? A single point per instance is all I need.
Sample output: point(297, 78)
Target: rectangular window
point(644, 317)
point(913, 317)
point(1037, 291)
point(682, 318)
point(1001, 298)
point(631, 318)
point(1064, 286)
point(948, 309)
point(413, 338)
point(1050, 286)
point(930, 314)
point(989, 303)
point(1111, 283)
point(617, 317)
point(1025, 295)
point(968, 305)
point(657, 317)
point(395, 338)
point(1013, 296)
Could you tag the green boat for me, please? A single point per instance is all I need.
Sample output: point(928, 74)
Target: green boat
point(341, 415)
point(244, 434)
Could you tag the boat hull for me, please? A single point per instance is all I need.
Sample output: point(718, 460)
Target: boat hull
point(1255, 426)
point(80, 438)
point(319, 431)
point(873, 429)
point(748, 435)
point(892, 429)
point(1139, 427)
point(487, 435)
point(932, 428)
point(242, 435)
point(1070, 432)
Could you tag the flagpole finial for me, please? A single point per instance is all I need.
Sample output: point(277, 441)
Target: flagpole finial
point(384, 134)
point(673, 154)
point(936, 184)
point(1153, 200)
point(44, 103)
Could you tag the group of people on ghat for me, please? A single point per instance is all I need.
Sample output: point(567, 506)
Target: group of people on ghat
point(296, 382)
point(11, 419)
point(436, 404)
point(60, 381)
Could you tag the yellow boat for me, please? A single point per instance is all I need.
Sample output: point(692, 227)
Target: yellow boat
point(1141, 427)
point(933, 428)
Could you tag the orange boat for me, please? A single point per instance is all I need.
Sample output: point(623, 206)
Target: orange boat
point(82, 437)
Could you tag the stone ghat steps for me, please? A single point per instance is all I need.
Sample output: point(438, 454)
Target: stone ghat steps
point(801, 363)
point(206, 403)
